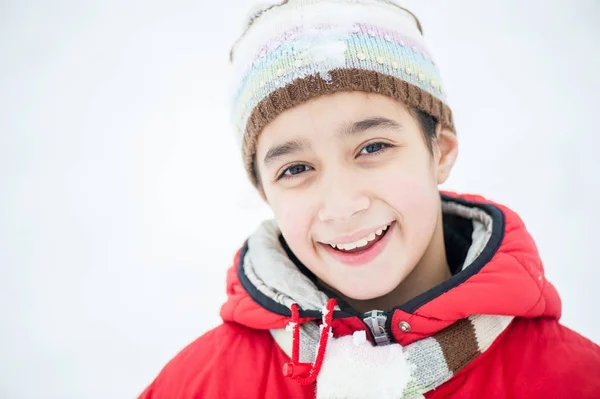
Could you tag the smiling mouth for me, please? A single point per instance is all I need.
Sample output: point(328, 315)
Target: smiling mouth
point(364, 251)
point(364, 245)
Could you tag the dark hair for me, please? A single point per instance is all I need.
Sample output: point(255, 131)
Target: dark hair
point(427, 125)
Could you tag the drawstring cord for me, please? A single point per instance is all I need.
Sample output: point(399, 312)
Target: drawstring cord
point(306, 373)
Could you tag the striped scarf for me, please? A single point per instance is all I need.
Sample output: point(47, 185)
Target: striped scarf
point(353, 368)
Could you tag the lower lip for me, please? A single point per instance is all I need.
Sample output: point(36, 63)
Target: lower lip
point(363, 257)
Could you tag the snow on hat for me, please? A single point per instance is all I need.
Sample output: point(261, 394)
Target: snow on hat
point(297, 50)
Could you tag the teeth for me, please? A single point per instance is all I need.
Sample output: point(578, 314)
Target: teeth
point(381, 230)
point(348, 247)
point(360, 243)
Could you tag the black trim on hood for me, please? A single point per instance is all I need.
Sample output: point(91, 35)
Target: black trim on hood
point(483, 259)
point(410, 306)
point(342, 304)
point(269, 303)
point(254, 293)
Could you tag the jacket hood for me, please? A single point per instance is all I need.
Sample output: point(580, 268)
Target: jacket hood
point(502, 274)
point(415, 347)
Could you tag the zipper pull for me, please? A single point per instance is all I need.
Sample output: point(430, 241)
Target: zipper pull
point(375, 320)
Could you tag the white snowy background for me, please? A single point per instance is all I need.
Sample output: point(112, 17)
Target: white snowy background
point(123, 198)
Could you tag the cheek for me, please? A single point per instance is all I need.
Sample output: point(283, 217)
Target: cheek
point(293, 217)
point(407, 181)
point(413, 194)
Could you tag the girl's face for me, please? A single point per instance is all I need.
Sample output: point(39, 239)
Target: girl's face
point(353, 188)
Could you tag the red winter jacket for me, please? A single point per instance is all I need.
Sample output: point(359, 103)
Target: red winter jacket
point(533, 357)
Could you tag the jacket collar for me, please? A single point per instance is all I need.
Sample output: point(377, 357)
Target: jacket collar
point(502, 274)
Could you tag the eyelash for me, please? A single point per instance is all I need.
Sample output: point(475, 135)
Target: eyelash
point(384, 147)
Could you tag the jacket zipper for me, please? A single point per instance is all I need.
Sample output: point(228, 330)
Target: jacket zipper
point(375, 320)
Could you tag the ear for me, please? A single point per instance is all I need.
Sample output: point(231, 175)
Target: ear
point(446, 152)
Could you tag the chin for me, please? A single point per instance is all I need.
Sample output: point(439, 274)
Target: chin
point(374, 281)
point(365, 291)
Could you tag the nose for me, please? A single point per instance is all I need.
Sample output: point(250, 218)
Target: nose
point(342, 198)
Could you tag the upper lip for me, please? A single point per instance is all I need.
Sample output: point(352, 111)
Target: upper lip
point(349, 238)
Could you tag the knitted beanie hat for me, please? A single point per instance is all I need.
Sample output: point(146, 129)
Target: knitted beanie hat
point(297, 50)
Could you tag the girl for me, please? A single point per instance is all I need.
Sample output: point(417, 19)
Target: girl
point(369, 282)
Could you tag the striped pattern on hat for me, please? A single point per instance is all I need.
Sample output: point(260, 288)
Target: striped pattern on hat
point(301, 49)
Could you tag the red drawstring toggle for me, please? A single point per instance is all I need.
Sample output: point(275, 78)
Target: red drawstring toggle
point(306, 373)
point(292, 370)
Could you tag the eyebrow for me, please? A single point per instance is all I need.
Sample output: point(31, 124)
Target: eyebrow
point(371, 123)
point(289, 147)
point(352, 129)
